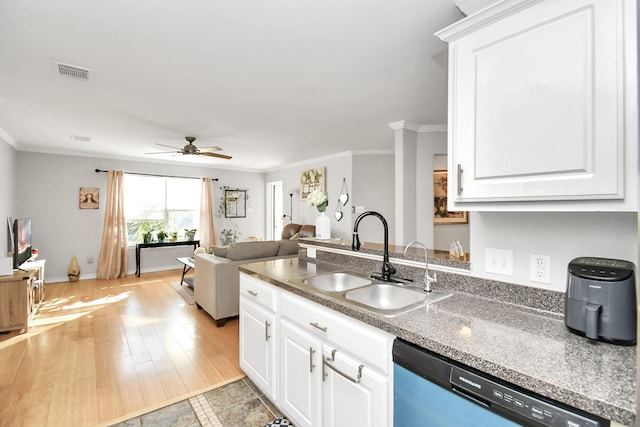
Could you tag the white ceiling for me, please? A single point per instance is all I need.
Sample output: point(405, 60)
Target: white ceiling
point(272, 82)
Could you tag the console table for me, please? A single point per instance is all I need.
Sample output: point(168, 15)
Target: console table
point(194, 243)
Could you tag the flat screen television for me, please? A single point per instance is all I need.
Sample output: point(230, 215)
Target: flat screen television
point(22, 245)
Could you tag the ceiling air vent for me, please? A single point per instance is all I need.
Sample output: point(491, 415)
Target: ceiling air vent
point(72, 71)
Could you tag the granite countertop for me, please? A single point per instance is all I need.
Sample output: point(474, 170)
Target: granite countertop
point(530, 348)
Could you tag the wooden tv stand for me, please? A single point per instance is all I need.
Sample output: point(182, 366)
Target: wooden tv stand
point(20, 296)
point(16, 300)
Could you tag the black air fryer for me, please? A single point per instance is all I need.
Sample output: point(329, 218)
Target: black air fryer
point(600, 302)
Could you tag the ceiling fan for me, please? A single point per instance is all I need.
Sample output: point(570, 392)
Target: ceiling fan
point(191, 149)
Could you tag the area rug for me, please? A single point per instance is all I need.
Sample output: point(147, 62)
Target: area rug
point(185, 291)
point(238, 403)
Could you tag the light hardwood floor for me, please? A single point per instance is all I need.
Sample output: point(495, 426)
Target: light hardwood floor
point(100, 350)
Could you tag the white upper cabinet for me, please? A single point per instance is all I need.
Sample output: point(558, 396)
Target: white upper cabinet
point(543, 106)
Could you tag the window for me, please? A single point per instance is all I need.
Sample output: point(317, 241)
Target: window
point(160, 203)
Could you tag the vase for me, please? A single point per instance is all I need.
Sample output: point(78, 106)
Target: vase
point(74, 270)
point(323, 227)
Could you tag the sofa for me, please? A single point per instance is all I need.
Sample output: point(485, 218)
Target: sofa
point(217, 278)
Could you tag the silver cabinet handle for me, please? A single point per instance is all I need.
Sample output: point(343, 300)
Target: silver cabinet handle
point(316, 325)
point(311, 365)
point(325, 362)
point(459, 179)
point(254, 293)
point(266, 330)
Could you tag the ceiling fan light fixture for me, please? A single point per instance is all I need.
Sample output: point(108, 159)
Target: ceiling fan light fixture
point(191, 149)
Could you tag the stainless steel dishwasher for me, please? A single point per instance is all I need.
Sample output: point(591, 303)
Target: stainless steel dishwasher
point(430, 390)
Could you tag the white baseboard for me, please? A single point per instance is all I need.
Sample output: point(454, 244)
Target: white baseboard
point(131, 272)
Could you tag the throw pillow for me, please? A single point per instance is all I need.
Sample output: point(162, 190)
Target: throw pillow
point(252, 250)
point(220, 251)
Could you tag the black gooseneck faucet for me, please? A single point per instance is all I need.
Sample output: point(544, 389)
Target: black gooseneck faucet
point(387, 268)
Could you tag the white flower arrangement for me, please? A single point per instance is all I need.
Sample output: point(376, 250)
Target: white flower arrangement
point(319, 199)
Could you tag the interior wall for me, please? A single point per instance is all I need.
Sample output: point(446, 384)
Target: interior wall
point(48, 192)
point(561, 235)
point(338, 166)
point(8, 192)
point(374, 190)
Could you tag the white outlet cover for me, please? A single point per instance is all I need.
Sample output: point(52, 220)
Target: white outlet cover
point(540, 268)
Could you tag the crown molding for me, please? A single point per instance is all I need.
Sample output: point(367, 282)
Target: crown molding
point(483, 18)
point(4, 135)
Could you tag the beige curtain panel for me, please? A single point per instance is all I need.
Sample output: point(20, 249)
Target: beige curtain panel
point(207, 232)
point(113, 251)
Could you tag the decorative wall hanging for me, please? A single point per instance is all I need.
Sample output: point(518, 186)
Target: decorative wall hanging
point(89, 198)
point(344, 194)
point(312, 179)
point(235, 203)
point(441, 215)
point(338, 213)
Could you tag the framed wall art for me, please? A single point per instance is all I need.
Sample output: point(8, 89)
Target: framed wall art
point(89, 198)
point(312, 179)
point(235, 203)
point(442, 215)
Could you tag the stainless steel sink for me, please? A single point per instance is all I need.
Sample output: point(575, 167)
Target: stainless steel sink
point(373, 295)
point(337, 282)
point(391, 299)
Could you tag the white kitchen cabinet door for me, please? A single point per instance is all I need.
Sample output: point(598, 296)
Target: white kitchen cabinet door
point(258, 346)
point(536, 102)
point(300, 367)
point(353, 394)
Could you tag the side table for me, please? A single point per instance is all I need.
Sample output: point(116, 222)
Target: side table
point(187, 266)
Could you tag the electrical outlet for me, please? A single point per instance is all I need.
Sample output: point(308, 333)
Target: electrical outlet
point(540, 268)
point(90, 260)
point(499, 261)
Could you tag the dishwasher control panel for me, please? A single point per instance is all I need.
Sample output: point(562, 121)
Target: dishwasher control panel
point(489, 393)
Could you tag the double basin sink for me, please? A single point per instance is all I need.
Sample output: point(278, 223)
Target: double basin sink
point(374, 295)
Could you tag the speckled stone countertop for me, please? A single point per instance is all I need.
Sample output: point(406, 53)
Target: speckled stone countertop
point(530, 348)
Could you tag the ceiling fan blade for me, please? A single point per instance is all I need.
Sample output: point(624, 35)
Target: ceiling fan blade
point(210, 148)
point(170, 146)
point(221, 156)
point(165, 152)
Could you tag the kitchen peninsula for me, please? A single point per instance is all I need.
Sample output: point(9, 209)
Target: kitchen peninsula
point(511, 332)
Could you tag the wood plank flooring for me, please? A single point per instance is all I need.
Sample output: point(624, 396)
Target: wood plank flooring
point(101, 350)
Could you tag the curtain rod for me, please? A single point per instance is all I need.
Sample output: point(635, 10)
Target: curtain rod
point(161, 176)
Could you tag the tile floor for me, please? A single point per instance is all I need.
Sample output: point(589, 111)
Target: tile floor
point(238, 403)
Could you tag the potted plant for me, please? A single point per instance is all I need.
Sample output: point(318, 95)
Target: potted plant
point(173, 236)
point(228, 236)
point(189, 234)
point(146, 229)
point(162, 235)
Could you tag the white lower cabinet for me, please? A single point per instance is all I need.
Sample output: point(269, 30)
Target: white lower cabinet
point(258, 340)
point(331, 370)
point(353, 394)
point(300, 364)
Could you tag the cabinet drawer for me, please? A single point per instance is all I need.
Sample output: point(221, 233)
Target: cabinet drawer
point(368, 343)
point(258, 291)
